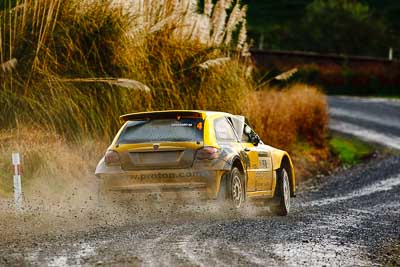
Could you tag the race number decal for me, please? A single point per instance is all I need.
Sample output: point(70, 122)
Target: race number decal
point(264, 163)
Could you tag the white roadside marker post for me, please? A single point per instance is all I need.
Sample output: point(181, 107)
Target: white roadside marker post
point(16, 160)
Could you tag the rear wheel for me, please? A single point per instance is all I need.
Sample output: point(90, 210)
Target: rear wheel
point(236, 189)
point(281, 205)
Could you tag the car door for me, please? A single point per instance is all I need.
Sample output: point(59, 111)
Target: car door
point(259, 169)
point(263, 173)
point(250, 156)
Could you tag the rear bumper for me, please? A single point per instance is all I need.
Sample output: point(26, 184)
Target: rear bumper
point(186, 183)
point(161, 187)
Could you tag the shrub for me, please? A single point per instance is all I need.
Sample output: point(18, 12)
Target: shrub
point(284, 117)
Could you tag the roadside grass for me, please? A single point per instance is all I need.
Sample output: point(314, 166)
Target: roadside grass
point(311, 161)
point(350, 150)
point(52, 168)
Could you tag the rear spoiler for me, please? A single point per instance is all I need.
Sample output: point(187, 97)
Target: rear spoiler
point(162, 115)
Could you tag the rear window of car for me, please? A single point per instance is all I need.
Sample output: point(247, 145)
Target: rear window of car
point(163, 130)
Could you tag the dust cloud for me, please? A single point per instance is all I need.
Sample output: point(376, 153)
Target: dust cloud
point(77, 208)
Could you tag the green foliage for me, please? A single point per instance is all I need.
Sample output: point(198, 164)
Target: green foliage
point(342, 26)
point(388, 9)
point(366, 27)
point(357, 11)
point(264, 14)
point(349, 150)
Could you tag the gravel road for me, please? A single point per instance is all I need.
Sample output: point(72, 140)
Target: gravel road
point(373, 119)
point(345, 219)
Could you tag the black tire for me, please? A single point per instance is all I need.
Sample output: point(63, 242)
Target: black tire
point(235, 188)
point(281, 203)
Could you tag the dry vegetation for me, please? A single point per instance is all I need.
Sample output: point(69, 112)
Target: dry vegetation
point(61, 60)
point(68, 69)
point(47, 156)
point(284, 117)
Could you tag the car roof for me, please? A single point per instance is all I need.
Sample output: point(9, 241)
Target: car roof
point(170, 114)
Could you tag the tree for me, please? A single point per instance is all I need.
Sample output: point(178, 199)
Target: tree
point(343, 26)
point(269, 18)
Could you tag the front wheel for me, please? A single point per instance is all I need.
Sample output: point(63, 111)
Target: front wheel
point(281, 204)
point(236, 190)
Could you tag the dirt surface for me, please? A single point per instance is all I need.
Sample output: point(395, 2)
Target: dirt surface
point(351, 218)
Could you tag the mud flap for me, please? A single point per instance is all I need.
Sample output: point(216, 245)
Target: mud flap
point(293, 194)
point(222, 194)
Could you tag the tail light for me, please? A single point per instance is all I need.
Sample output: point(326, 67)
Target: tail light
point(111, 158)
point(207, 152)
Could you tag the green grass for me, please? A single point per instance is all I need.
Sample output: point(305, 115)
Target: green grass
point(350, 150)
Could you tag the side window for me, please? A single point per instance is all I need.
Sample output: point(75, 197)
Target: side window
point(224, 131)
point(245, 138)
point(249, 135)
point(237, 123)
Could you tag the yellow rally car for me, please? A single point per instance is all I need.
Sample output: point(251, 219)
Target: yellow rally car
point(210, 155)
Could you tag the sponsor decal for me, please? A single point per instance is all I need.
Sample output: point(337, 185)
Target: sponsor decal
point(160, 175)
point(264, 163)
point(261, 174)
point(182, 125)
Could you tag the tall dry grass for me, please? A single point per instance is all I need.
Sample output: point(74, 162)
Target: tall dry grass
point(52, 168)
point(284, 117)
point(57, 58)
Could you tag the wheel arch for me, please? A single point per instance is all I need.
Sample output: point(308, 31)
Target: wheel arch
point(282, 159)
point(235, 161)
